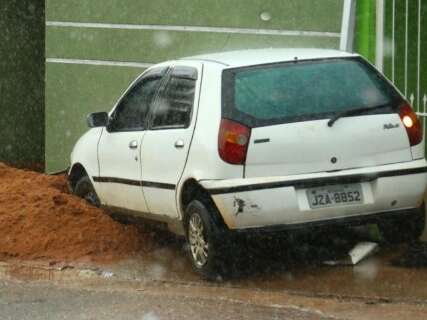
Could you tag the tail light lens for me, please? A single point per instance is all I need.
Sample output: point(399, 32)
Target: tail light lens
point(412, 124)
point(233, 141)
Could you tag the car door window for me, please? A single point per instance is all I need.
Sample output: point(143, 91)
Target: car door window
point(132, 111)
point(174, 106)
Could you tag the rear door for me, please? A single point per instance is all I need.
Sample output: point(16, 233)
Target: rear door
point(166, 143)
point(288, 106)
point(119, 149)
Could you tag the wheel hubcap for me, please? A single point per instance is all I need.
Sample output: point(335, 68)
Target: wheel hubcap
point(198, 244)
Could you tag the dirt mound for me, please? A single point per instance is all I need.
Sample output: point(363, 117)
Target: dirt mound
point(39, 219)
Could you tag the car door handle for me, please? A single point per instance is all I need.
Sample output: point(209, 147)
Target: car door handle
point(179, 144)
point(133, 144)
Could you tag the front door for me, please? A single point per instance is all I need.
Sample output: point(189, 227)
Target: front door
point(119, 148)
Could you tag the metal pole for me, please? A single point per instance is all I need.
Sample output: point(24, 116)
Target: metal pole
point(379, 51)
point(393, 35)
point(406, 45)
point(347, 25)
point(419, 57)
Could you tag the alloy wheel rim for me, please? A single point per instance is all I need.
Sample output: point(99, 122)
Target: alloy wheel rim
point(198, 243)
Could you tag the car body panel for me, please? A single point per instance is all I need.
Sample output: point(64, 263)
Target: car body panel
point(267, 201)
point(120, 170)
point(162, 163)
point(203, 159)
point(85, 152)
point(312, 146)
point(250, 57)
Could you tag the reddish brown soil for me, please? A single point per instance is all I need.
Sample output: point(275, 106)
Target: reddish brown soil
point(39, 219)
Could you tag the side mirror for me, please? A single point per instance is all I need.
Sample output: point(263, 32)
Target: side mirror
point(97, 119)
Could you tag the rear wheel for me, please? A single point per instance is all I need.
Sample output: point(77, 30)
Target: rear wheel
point(84, 189)
point(203, 237)
point(404, 229)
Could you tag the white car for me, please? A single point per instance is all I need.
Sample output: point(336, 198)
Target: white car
point(257, 140)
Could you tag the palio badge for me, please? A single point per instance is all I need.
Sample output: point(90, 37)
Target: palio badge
point(390, 126)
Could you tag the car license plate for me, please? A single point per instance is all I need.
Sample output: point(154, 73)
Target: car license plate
point(337, 195)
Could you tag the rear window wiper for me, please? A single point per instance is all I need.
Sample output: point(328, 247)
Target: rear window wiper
point(352, 112)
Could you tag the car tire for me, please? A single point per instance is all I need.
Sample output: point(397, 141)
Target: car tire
point(205, 241)
point(405, 229)
point(84, 189)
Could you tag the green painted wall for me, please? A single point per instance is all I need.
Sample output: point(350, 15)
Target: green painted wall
point(21, 82)
point(73, 90)
point(147, 46)
point(321, 15)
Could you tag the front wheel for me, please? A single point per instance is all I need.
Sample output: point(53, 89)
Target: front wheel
point(205, 248)
point(84, 189)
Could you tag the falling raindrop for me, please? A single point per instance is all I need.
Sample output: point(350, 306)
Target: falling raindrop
point(162, 39)
point(265, 16)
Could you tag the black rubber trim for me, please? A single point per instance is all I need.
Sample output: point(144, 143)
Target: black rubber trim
point(342, 221)
point(309, 183)
point(262, 140)
point(117, 180)
point(158, 185)
point(148, 184)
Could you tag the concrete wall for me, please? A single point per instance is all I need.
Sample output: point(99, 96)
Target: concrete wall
point(90, 43)
point(22, 82)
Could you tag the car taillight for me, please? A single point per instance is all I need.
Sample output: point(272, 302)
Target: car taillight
point(412, 124)
point(233, 140)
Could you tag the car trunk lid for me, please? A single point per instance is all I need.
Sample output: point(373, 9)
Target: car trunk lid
point(315, 115)
point(312, 146)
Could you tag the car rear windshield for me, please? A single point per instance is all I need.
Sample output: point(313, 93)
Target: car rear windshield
point(306, 90)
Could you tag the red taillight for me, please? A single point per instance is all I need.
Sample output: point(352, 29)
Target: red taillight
point(233, 140)
point(412, 124)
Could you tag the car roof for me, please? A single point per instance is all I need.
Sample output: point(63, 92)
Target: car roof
point(249, 57)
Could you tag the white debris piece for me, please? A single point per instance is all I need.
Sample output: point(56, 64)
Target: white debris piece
point(360, 251)
point(107, 274)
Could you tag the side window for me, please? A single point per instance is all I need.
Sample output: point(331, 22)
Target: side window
point(131, 113)
point(174, 106)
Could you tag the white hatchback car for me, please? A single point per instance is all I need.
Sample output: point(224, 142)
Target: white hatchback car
point(257, 140)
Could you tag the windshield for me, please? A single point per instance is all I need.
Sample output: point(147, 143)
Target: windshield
point(299, 91)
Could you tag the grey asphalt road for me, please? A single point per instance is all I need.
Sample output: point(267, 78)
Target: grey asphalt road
point(52, 301)
point(111, 299)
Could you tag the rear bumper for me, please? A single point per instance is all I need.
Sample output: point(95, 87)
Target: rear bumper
point(357, 220)
point(281, 202)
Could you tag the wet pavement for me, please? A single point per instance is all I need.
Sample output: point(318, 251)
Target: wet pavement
point(292, 266)
point(271, 278)
point(47, 301)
